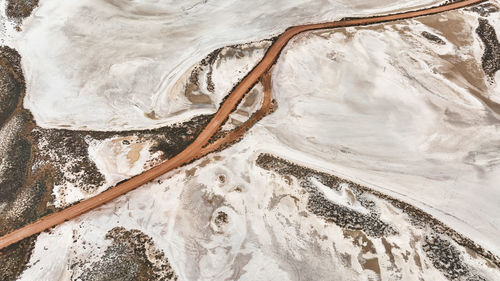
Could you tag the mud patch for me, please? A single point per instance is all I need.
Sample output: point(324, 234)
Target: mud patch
point(371, 264)
point(360, 240)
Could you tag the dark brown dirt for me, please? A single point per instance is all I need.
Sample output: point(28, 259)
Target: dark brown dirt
point(221, 218)
point(11, 86)
point(17, 195)
point(131, 257)
point(13, 259)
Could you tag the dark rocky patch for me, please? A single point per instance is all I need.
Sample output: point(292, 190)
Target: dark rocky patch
point(450, 2)
point(204, 69)
point(192, 89)
point(62, 147)
point(476, 278)
point(319, 205)
point(11, 82)
point(283, 167)
point(210, 61)
point(172, 140)
point(17, 195)
point(131, 257)
point(491, 55)
point(345, 217)
point(432, 37)
point(65, 146)
point(28, 202)
point(20, 9)
point(221, 218)
point(445, 257)
point(13, 259)
point(15, 152)
point(417, 217)
point(29, 173)
point(485, 9)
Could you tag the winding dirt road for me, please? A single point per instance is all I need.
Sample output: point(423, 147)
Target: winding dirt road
point(197, 148)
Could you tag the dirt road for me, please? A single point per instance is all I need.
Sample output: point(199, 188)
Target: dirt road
point(194, 150)
point(238, 133)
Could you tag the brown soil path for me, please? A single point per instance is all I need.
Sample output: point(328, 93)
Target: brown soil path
point(234, 135)
point(194, 149)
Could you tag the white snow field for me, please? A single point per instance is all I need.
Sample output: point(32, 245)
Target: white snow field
point(385, 106)
point(104, 65)
point(226, 218)
point(403, 108)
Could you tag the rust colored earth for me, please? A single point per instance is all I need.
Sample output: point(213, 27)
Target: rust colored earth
point(199, 146)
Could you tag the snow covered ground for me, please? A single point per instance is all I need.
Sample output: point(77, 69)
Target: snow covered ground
point(386, 106)
point(7, 27)
point(229, 217)
point(105, 65)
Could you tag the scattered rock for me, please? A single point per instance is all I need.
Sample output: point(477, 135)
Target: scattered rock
point(445, 257)
point(20, 9)
point(485, 9)
point(491, 55)
point(342, 216)
point(132, 256)
point(356, 221)
point(432, 37)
